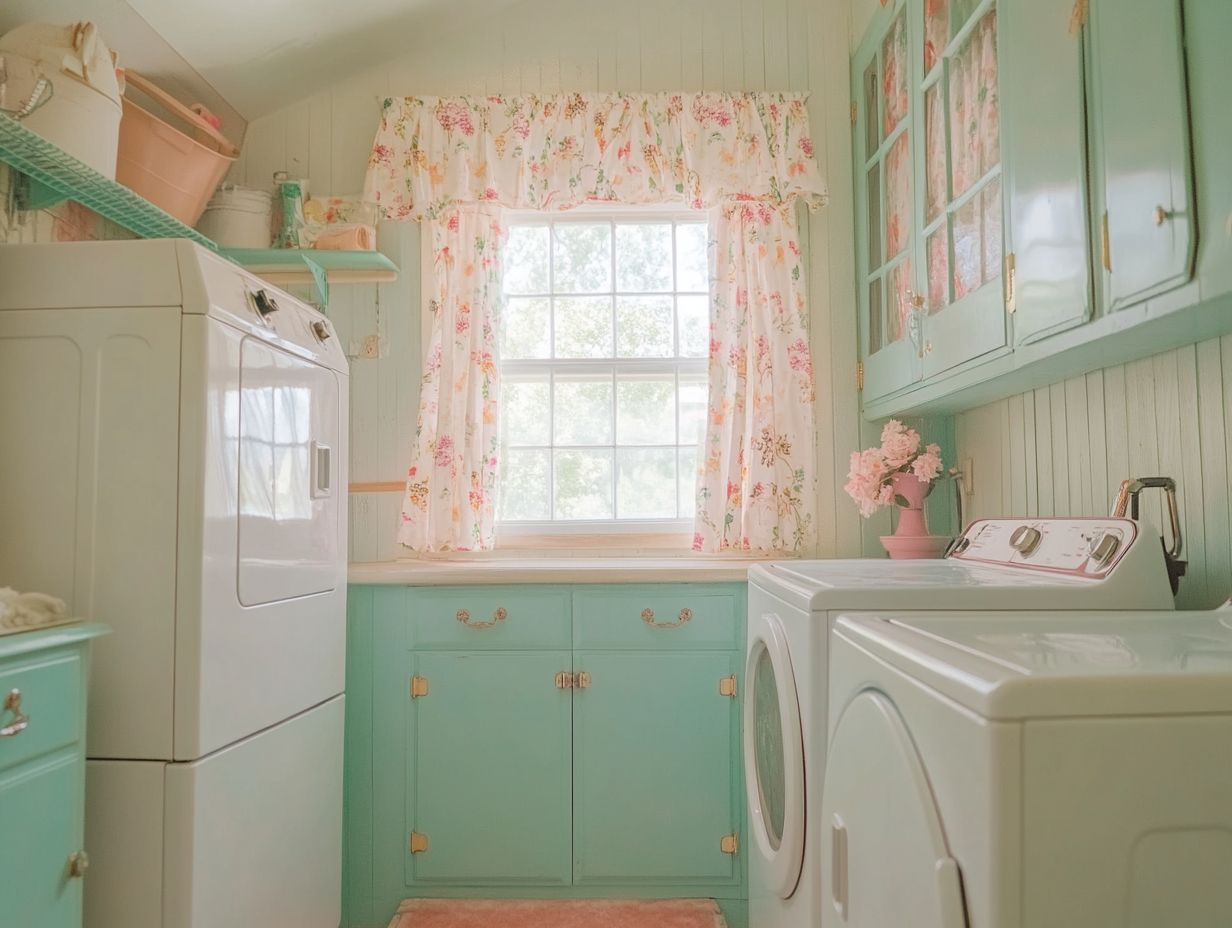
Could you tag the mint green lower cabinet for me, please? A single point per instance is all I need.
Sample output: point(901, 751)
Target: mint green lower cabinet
point(488, 774)
point(42, 827)
point(654, 758)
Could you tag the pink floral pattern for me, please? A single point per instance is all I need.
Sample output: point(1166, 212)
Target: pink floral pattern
point(894, 73)
point(898, 196)
point(758, 468)
point(450, 501)
point(936, 31)
point(975, 124)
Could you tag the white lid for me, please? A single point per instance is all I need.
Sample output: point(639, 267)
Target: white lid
point(1014, 665)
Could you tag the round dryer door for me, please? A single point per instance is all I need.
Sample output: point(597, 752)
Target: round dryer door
point(884, 857)
point(774, 755)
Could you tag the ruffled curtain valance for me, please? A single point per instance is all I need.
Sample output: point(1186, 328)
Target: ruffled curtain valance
point(558, 151)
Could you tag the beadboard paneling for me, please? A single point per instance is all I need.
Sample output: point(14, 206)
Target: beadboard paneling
point(1064, 450)
point(585, 45)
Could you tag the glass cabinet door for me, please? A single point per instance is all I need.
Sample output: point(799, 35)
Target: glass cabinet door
point(960, 154)
point(885, 167)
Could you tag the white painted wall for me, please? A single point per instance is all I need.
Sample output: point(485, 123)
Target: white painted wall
point(584, 45)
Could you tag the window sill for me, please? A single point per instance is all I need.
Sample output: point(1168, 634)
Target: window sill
point(520, 568)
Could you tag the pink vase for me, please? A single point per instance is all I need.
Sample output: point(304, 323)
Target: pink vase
point(911, 539)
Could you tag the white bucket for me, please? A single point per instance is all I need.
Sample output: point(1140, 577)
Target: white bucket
point(238, 217)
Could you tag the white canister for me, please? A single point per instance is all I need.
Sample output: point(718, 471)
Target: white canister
point(238, 217)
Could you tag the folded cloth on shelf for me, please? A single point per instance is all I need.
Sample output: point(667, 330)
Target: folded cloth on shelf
point(351, 237)
point(24, 611)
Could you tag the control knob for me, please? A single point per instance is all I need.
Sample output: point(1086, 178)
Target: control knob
point(1025, 540)
point(1104, 548)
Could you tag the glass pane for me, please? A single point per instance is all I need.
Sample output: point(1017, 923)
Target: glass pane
point(694, 390)
point(692, 260)
point(693, 317)
point(975, 146)
point(934, 153)
point(872, 119)
point(583, 410)
point(645, 410)
point(901, 286)
point(583, 484)
point(526, 260)
point(524, 328)
point(583, 327)
point(961, 11)
point(876, 313)
point(874, 217)
point(643, 257)
point(894, 73)
point(991, 199)
point(768, 749)
point(967, 248)
point(525, 485)
point(686, 472)
point(582, 257)
point(644, 327)
point(938, 270)
point(646, 483)
point(898, 196)
point(526, 414)
point(936, 31)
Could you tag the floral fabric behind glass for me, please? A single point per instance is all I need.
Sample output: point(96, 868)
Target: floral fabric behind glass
point(974, 114)
point(898, 195)
point(894, 74)
point(934, 153)
point(749, 154)
point(449, 504)
point(936, 31)
point(759, 469)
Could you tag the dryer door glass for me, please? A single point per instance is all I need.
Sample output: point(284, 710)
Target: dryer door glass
point(771, 778)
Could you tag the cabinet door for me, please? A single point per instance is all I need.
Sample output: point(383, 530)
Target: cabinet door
point(41, 813)
point(489, 768)
point(655, 781)
point(885, 210)
point(960, 238)
point(1141, 121)
point(1045, 128)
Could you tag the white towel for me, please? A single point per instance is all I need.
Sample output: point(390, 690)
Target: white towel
point(22, 611)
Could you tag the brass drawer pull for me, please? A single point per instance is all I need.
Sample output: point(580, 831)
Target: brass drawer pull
point(648, 616)
point(20, 721)
point(498, 615)
point(78, 864)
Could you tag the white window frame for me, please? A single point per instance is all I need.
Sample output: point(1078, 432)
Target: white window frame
point(622, 533)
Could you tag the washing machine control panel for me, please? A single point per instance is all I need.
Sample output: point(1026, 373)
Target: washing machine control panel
point(1080, 547)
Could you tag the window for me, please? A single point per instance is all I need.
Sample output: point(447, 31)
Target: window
point(604, 343)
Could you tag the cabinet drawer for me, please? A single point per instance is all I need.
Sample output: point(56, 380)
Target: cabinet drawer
point(50, 702)
point(658, 618)
point(488, 618)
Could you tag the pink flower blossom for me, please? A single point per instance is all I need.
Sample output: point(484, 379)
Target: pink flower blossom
point(443, 455)
point(898, 443)
point(927, 466)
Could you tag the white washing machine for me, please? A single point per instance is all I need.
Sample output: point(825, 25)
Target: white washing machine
point(1101, 563)
point(175, 466)
point(1022, 770)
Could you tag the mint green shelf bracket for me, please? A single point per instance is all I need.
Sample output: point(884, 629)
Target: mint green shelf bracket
point(53, 176)
point(320, 279)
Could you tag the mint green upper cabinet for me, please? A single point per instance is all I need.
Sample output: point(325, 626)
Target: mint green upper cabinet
point(489, 781)
point(885, 183)
point(654, 779)
point(1141, 125)
point(1042, 90)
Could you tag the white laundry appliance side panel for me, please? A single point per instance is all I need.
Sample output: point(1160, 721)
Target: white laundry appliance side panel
point(88, 398)
point(124, 837)
point(89, 275)
point(1128, 822)
point(240, 668)
point(974, 768)
point(254, 831)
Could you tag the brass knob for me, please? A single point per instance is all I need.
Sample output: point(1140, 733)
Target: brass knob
point(1161, 215)
point(917, 301)
point(78, 864)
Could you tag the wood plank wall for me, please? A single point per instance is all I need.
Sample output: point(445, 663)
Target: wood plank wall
point(585, 45)
point(1064, 449)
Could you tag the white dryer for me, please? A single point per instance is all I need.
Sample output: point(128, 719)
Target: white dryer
point(1022, 770)
point(1103, 563)
point(175, 466)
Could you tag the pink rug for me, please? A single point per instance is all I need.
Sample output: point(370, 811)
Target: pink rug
point(569, 913)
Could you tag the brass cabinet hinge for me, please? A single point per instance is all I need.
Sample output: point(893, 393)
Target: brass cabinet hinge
point(729, 844)
point(419, 842)
point(419, 686)
point(727, 686)
point(564, 680)
point(1106, 244)
point(859, 375)
point(572, 681)
point(581, 680)
point(1011, 283)
point(854, 118)
point(1078, 16)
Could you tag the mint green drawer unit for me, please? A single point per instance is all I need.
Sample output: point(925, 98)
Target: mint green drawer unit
point(41, 705)
point(687, 617)
point(479, 618)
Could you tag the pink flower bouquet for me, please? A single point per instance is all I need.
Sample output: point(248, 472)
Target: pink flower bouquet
point(871, 480)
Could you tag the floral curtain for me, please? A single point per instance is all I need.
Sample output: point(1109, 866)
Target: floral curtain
point(449, 504)
point(748, 157)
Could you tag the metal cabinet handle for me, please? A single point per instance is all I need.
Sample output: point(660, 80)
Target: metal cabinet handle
point(20, 721)
point(648, 616)
point(498, 615)
point(838, 866)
